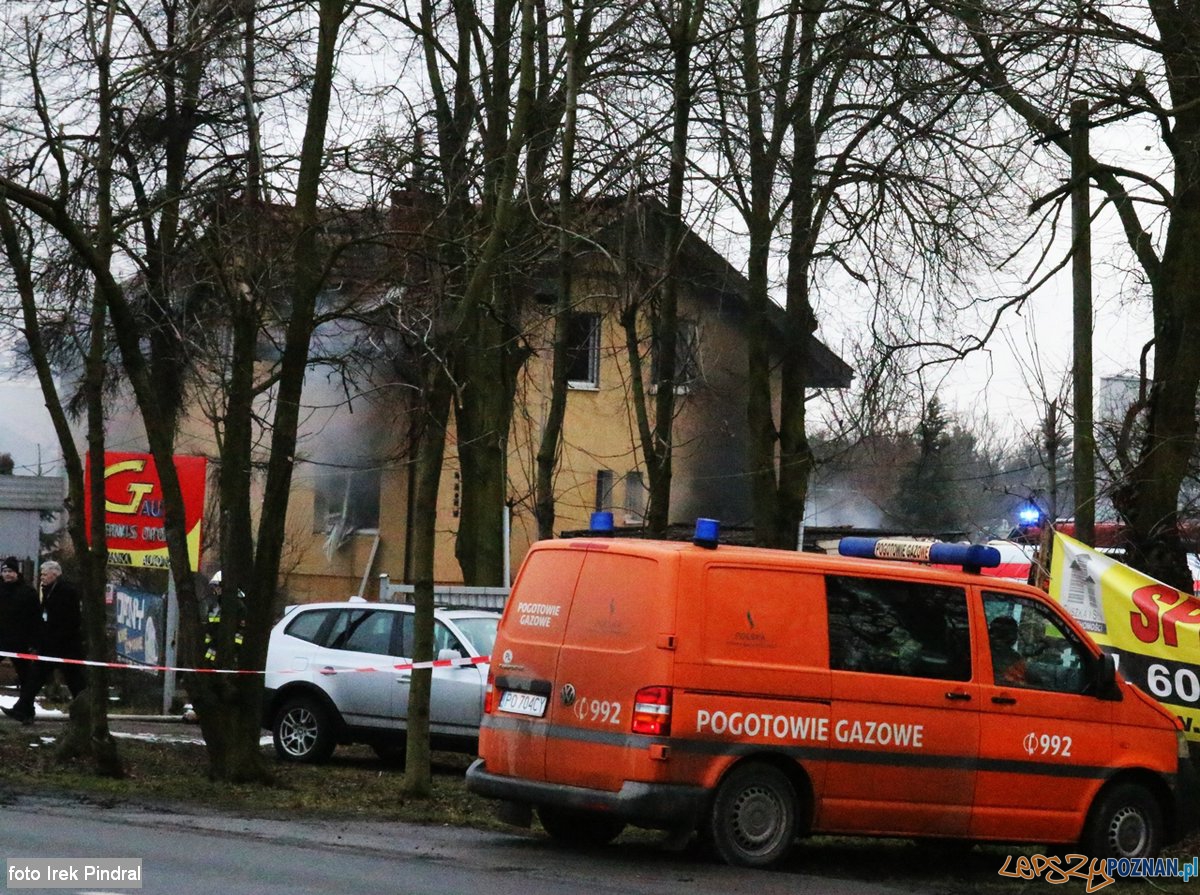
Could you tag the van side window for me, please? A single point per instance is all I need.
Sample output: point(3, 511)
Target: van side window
point(906, 628)
point(1031, 647)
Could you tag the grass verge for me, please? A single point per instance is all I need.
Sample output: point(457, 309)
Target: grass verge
point(355, 784)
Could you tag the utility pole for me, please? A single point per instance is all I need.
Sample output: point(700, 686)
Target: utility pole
point(1081, 276)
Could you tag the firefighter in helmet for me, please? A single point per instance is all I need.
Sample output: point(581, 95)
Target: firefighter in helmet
point(212, 621)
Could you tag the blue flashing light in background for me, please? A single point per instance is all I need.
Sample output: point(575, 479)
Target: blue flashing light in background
point(601, 522)
point(708, 533)
point(1029, 514)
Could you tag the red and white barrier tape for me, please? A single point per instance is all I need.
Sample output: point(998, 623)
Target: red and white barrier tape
point(326, 670)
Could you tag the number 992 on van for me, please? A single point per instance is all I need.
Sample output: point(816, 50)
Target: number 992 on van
point(755, 696)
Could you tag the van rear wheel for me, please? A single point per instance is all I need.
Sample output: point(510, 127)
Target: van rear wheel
point(1126, 822)
point(753, 819)
point(584, 829)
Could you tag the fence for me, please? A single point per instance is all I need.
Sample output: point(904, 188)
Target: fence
point(457, 596)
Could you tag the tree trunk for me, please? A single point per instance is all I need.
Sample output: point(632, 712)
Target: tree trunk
point(795, 457)
point(1148, 499)
point(552, 432)
point(484, 326)
point(430, 450)
point(760, 422)
point(483, 416)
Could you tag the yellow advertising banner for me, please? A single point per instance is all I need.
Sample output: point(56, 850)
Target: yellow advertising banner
point(1151, 629)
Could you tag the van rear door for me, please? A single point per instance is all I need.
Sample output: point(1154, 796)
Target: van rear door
point(618, 637)
point(513, 737)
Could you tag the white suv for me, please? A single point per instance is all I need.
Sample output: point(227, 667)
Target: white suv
point(330, 678)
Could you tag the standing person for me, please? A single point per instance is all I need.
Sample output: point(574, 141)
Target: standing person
point(20, 616)
point(62, 636)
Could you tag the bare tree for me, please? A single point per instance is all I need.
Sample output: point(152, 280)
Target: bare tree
point(681, 25)
point(577, 44)
point(87, 732)
point(838, 142)
point(169, 128)
point(1131, 61)
point(473, 353)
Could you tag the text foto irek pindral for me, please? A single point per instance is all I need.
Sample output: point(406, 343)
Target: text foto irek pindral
point(63, 873)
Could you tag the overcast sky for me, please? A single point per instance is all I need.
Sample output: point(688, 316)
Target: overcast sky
point(27, 433)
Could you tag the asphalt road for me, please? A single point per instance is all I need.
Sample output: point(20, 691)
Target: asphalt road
point(204, 854)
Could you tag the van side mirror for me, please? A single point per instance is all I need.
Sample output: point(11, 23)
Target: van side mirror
point(446, 654)
point(1104, 678)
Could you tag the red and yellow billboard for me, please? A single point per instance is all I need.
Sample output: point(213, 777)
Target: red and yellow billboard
point(1153, 630)
point(133, 509)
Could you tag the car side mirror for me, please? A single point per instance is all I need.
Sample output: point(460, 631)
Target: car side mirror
point(445, 654)
point(1104, 678)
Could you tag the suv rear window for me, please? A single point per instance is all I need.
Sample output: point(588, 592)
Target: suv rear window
point(307, 625)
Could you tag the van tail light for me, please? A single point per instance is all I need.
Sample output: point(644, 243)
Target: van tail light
point(652, 711)
point(489, 693)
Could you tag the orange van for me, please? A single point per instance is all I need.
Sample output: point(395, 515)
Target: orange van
point(759, 695)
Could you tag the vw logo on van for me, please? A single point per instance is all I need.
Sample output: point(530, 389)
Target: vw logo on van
point(568, 694)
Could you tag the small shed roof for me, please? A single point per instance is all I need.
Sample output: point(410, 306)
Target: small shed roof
point(32, 492)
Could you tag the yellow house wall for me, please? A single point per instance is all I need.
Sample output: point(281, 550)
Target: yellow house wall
point(600, 432)
point(600, 429)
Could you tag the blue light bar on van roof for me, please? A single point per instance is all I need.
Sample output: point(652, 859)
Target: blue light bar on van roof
point(972, 557)
point(708, 533)
point(601, 522)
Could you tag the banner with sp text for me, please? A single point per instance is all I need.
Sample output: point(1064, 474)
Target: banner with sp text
point(1153, 630)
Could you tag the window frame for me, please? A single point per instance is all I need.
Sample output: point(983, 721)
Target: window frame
point(1029, 679)
point(333, 488)
point(606, 487)
point(634, 504)
point(587, 348)
point(894, 650)
point(689, 368)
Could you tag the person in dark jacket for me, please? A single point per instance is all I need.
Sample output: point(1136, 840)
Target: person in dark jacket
point(20, 616)
point(62, 636)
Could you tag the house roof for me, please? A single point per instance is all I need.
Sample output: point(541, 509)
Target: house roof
point(31, 492)
point(710, 275)
point(713, 278)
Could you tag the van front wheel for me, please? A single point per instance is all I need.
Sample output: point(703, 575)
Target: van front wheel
point(582, 829)
point(1126, 822)
point(753, 820)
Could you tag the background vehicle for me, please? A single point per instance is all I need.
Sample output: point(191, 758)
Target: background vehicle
point(330, 678)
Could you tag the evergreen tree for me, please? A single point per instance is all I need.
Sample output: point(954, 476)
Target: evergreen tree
point(927, 497)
